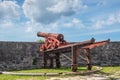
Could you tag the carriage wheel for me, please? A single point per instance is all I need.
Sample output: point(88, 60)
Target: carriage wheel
point(42, 48)
point(54, 43)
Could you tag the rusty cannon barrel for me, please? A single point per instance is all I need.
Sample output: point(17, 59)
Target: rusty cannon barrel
point(52, 40)
point(55, 35)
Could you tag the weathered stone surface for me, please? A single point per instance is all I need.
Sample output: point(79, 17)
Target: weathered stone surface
point(26, 55)
point(107, 55)
point(19, 55)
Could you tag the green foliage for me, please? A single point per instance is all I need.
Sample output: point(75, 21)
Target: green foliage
point(34, 61)
point(41, 41)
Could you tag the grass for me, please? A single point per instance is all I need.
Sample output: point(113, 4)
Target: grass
point(13, 77)
point(106, 70)
point(111, 72)
point(55, 70)
point(45, 70)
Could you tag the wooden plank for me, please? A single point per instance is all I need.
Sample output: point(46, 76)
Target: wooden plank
point(96, 44)
point(67, 57)
point(88, 58)
point(74, 59)
point(67, 48)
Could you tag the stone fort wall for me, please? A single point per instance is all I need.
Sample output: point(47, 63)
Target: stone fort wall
point(26, 55)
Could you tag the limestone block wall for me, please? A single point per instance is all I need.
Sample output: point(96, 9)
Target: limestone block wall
point(19, 55)
point(26, 55)
point(107, 55)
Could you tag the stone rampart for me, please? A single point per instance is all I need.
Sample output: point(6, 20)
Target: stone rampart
point(26, 55)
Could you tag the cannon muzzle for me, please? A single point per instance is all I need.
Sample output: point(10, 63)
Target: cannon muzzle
point(58, 36)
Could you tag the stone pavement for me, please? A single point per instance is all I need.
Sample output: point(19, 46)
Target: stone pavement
point(116, 75)
point(88, 77)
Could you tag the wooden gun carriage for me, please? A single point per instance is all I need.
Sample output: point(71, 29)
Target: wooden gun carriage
point(55, 44)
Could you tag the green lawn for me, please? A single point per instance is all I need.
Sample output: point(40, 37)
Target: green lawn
point(45, 70)
point(106, 70)
point(112, 72)
point(55, 70)
point(13, 77)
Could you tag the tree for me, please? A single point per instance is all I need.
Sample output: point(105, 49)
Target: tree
point(41, 41)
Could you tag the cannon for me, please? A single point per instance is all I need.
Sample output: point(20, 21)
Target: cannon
point(55, 45)
point(52, 40)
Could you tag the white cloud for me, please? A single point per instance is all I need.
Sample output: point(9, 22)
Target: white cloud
point(98, 32)
point(98, 24)
point(108, 21)
point(32, 27)
point(48, 11)
point(102, 32)
point(111, 20)
point(68, 25)
point(74, 23)
point(65, 6)
point(6, 24)
point(9, 10)
point(9, 13)
point(43, 14)
point(29, 29)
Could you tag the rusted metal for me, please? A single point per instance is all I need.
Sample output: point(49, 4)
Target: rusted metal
point(97, 44)
point(52, 40)
point(55, 44)
point(67, 48)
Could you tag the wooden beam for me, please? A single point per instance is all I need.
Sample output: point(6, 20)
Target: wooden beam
point(80, 55)
point(88, 58)
point(44, 60)
point(58, 60)
point(67, 57)
point(74, 58)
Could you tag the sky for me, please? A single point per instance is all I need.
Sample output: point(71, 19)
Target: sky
point(77, 20)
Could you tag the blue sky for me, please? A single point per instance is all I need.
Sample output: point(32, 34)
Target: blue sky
point(78, 20)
